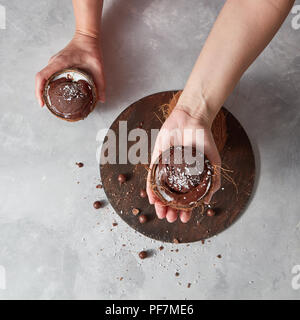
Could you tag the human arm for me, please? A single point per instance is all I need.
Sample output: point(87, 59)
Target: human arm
point(242, 30)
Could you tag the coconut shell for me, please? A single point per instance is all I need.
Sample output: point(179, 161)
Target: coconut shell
point(85, 75)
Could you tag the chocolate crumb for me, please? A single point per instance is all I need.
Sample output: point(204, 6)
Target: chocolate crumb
point(189, 285)
point(121, 278)
point(143, 254)
point(97, 204)
point(135, 211)
point(79, 164)
point(219, 256)
point(203, 241)
point(114, 224)
point(177, 274)
point(161, 248)
point(175, 241)
point(99, 186)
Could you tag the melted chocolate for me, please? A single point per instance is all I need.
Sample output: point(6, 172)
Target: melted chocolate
point(180, 181)
point(70, 99)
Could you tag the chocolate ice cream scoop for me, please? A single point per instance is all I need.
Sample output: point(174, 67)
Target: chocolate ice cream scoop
point(181, 177)
point(70, 95)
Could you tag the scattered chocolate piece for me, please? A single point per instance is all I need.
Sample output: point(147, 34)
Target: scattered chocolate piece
point(175, 241)
point(99, 186)
point(97, 204)
point(161, 248)
point(79, 164)
point(219, 256)
point(121, 178)
point(121, 278)
point(210, 212)
point(176, 250)
point(142, 218)
point(143, 194)
point(143, 254)
point(189, 285)
point(177, 274)
point(114, 224)
point(135, 211)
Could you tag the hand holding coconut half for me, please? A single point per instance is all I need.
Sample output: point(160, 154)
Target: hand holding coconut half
point(83, 52)
point(175, 189)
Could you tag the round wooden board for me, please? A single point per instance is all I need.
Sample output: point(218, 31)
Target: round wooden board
point(237, 155)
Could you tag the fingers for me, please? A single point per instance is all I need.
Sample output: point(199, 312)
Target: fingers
point(151, 195)
point(185, 216)
point(41, 78)
point(161, 210)
point(171, 215)
point(98, 76)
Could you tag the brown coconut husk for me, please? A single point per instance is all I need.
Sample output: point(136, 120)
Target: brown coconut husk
point(91, 82)
point(219, 132)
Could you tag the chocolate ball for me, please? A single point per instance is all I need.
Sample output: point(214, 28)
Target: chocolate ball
point(97, 204)
point(142, 218)
point(210, 212)
point(143, 254)
point(79, 164)
point(121, 178)
point(143, 193)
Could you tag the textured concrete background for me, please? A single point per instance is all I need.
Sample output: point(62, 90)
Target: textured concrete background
point(54, 245)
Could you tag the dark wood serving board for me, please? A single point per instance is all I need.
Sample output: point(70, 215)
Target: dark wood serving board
point(237, 156)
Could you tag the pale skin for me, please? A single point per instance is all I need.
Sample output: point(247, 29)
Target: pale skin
point(241, 32)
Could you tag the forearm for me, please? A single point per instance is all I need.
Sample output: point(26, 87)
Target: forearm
point(242, 30)
point(88, 15)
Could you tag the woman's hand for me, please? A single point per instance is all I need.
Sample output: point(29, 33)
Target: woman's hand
point(178, 121)
point(83, 52)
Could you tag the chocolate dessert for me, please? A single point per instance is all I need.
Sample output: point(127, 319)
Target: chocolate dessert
point(180, 182)
point(68, 98)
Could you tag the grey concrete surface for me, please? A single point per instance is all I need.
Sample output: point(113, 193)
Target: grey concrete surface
point(54, 245)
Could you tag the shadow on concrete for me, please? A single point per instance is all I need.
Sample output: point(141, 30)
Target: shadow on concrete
point(119, 24)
